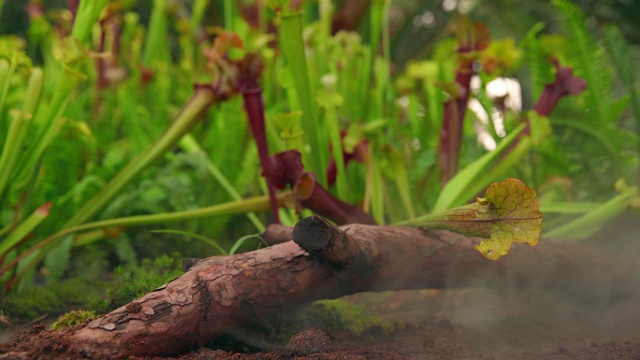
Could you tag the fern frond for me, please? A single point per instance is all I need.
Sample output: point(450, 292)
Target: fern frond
point(621, 59)
point(124, 250)
point(588, 61)
point(539, 67)
point(57, 259)
point(228, 137)
point(619, 55)
point(249, 170)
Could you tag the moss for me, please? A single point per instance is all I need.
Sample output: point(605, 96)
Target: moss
point(134, 280)
point(55, 298)
point(129, 282)
point(73, 318)
point(333, 316)
point(342, 315)
point(29, 304)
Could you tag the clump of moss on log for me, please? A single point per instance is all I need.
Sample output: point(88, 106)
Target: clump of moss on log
point(131, 281)
point(73, 318)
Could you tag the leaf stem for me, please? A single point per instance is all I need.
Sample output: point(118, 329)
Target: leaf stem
point(259, 203)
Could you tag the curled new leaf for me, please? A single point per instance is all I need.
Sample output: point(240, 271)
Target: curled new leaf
point(565, 84)
point(284, 168)
point(508, 214)
point(313, 196)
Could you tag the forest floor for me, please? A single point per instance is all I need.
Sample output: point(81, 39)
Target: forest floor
point(473, 323)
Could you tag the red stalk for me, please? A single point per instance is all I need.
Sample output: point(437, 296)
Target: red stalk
point(254, 108)
point(472, 37)
point(313, 196)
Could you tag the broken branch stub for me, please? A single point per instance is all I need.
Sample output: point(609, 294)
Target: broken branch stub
point(276, 234)
point(319, 237)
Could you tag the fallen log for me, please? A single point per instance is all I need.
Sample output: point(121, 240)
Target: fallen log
point(323, 262)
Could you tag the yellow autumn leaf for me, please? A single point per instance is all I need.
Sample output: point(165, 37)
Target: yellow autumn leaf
point(508, 214)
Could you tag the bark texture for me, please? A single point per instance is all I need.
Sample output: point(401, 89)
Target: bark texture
point(220, 293)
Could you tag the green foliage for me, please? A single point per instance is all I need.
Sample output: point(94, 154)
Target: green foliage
point(63, 167)
point(465, 184)
point(588, 61)
point(539, 68)
point(593, 218)
point(621, 58)
point(597, 128)
point(131, 281)
point(34, 302)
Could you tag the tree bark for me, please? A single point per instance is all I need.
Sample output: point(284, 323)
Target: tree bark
point(220, 293)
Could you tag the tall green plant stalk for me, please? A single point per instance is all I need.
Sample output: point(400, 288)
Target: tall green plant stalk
point(7, 69)
point(290, 36)
point(187, 41)
point(229, 14)
point(386, 53)
point(592, 220)
point(23, 229)
point(155, 43)
point(330, 100)
point(19, 128)
point(325, 8)
point(87, 16)
point(377, 189)
point(43, 125)
point(379, 29)
point(46, 123)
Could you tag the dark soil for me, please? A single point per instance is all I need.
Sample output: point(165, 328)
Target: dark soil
point(471, 323)
point(429, 340)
